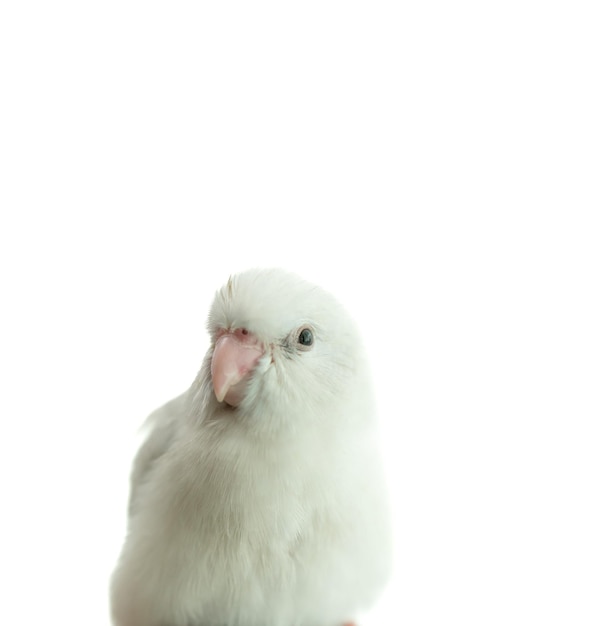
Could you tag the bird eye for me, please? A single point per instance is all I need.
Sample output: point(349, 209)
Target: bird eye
point(306, 337)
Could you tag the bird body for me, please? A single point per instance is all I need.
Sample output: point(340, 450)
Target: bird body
point(258, 498)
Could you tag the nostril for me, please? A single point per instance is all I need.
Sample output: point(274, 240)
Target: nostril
point(244, 331)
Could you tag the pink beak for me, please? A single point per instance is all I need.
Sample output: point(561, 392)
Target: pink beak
point(235, 355)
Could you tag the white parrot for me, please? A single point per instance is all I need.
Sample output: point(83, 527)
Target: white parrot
point(258, 497)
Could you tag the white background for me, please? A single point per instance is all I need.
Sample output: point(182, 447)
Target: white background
point(432, 163)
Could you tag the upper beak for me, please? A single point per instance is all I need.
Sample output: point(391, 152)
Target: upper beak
point(235, 355)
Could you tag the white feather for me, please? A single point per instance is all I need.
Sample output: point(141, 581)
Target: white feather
point(272, 513)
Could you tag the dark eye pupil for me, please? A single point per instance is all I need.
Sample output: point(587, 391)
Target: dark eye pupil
point(305, 338)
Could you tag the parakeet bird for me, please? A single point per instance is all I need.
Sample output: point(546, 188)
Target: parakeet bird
point(258, 497)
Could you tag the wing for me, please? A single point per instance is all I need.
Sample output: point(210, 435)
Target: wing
point(162, 425)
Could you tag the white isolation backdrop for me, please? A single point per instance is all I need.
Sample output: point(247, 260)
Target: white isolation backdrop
point(431, 163)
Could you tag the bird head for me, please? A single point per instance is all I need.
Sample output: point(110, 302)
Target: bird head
point(279, 346)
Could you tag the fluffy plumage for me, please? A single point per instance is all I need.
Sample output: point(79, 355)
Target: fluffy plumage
point(271, 512)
